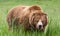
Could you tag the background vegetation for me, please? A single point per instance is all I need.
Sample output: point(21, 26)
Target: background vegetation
point(51, 7)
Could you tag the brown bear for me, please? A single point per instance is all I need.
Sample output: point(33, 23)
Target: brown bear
point(29, 16)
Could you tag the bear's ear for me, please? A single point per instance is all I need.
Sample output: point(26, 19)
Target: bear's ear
point(35, 7)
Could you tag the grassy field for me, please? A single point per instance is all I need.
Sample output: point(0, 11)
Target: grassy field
point(51, 7)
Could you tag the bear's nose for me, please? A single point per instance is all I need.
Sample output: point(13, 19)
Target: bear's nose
point(40, 26)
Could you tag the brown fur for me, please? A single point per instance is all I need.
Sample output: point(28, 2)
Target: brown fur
point(24, 15)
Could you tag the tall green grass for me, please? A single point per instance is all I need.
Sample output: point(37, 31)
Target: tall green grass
point(51, 7)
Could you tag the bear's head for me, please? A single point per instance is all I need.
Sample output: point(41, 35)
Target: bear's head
point(37, 18)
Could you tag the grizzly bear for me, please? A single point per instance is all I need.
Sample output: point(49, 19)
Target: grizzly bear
point(29, 16)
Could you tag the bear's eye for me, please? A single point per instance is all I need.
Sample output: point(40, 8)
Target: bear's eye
point(36, 20)
point(43, 22)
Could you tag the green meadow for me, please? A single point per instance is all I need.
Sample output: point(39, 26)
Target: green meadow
point(51, 7)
